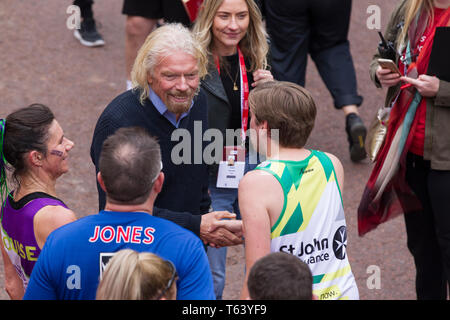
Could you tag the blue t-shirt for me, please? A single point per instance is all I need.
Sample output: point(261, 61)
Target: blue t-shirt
point(74, 256)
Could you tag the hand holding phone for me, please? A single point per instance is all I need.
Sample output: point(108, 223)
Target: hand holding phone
point(389, 64)
point(388, 73)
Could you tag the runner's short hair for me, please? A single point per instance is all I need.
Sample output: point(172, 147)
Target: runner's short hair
point(287, 107)
point(280, 276)
point(129, 162)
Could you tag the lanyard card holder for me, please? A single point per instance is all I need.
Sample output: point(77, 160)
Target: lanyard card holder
point(231, 168)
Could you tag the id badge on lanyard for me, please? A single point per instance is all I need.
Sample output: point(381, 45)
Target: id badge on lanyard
point(231, 168)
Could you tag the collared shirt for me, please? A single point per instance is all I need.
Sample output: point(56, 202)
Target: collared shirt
point(161, 107)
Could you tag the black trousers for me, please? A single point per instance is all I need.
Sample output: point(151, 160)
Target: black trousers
point(428, 231)
point(169, 10)
point(85, 8)
point(317, 27)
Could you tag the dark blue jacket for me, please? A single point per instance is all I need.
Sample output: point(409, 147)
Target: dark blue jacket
point(185, 188)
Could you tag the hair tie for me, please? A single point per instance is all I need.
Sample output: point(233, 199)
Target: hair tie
point(2, 137)
point(3, 182)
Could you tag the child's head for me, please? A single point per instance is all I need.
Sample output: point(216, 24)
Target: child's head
point(285, 106)
point(280, 276)
point(132, 275)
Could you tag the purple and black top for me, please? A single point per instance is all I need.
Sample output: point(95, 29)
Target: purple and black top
point(17, 230)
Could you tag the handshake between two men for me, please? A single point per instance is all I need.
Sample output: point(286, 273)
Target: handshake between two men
point(221, 229)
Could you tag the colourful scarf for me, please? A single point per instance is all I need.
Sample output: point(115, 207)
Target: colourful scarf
point(387, 194)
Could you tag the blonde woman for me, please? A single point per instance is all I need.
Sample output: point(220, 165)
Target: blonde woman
point(232, 34)
point(131, 275)
point(412, 173)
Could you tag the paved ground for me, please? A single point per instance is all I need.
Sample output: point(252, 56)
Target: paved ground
point(40, 61)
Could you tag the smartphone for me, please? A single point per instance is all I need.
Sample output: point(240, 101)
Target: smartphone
point(389, 64)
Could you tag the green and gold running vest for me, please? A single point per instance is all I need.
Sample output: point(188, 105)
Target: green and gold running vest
point(312, 223)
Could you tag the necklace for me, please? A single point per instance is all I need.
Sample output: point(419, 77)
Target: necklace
point(235, 87)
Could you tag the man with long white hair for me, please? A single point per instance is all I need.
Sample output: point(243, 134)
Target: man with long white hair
point(165, 98)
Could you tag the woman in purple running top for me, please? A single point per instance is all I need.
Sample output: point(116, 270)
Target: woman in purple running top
point(33, 145)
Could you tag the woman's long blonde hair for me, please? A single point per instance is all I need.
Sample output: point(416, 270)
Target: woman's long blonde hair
point(254, 44)
point(135, 276)
point(412, 8)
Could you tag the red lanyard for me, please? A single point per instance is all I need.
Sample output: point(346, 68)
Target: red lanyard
point(244, 93)
point(426, 49)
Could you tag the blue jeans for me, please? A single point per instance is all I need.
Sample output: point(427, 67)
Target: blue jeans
point(222, 199)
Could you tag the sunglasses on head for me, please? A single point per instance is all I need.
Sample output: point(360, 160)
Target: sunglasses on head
point(171, 280)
